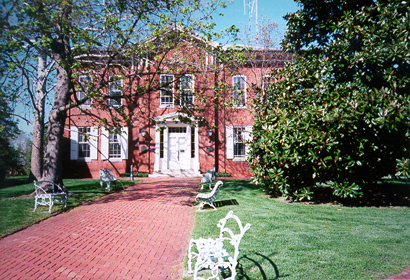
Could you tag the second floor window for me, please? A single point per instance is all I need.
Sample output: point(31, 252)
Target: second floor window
point(187, 90)
point(85, 82)
point(115, 91)
point(239, 91)
point(167, 90)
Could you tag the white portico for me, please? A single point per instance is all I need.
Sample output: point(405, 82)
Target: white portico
point(176, 146)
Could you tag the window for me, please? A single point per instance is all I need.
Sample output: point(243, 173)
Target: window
point(177, 129)
point(114, 143)
point(239, 91)
point(192, 142)
point(85, 82)
point(236, 142)
point(267, 82)
point(161, 143)
point(187, 90)
point(115, 85)
point(167, 91)
point(83, 142)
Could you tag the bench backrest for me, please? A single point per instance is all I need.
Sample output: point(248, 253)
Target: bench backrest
point(47, 187)
point(106, 174)
point(228, 234)
point(216, 188)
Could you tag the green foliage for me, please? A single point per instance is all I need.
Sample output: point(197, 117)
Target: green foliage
point(403, 168)
point(339, 115)
point(8, 129)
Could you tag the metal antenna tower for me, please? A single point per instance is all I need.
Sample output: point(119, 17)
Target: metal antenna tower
point(251, 7)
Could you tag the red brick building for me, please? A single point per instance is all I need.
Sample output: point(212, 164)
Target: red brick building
point(179, 118)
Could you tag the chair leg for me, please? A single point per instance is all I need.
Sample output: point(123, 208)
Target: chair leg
point(35, 204)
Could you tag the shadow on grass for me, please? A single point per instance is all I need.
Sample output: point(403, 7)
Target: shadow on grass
point(223, 203)
point(256, 263)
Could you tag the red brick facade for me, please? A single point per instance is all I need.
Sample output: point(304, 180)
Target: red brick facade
point(152, 139)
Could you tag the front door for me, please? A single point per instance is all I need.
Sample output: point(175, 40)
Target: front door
point(178, 149)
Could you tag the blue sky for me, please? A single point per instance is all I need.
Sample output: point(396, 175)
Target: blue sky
point(274, 10)
point(234, 15)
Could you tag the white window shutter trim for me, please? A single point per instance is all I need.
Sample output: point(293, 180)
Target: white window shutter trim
point(229, 142)
point(93, 142)
point(104, 143)
point(124, 143)
point(74, 143)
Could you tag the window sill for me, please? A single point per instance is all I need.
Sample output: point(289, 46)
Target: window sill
point(84, 160)
point(166, 106)
point(116, 159)
point(239, 159)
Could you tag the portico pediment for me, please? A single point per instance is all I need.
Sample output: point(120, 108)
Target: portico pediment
point(175, 117)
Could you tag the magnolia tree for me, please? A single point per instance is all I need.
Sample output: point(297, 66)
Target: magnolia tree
point(338, 117)
point(49, 43)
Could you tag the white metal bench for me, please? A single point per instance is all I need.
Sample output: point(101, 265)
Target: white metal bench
point(47, 193)
point(107, 177)
point(208, 176)
point(209, 198)
point(219, 253)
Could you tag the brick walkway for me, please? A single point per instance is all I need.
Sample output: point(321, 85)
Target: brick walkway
point(140, 233)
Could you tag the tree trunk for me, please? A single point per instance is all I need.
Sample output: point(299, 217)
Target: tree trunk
point(52, 156)
point(37, 149)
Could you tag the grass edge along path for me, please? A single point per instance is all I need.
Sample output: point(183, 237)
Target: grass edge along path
point(302, 241)
point(17, 201)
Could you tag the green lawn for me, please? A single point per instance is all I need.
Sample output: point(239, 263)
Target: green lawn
point(301, 241)
point(16, 204)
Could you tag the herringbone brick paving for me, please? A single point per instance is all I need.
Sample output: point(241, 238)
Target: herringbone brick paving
point(140, 233)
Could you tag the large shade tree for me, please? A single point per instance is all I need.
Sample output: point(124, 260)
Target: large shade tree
point(338, 117)
point(49, 41)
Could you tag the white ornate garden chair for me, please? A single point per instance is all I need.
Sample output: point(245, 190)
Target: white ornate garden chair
point(208, 176)
point(209, 198)
point(106, 176)
point(220, 253)
point(47, 193)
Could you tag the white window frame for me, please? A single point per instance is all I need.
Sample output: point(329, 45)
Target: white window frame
point(84, 81)
point(105, 143)
point(168, 87)
point(115, 88)
point(230, 142)
point(184, 90)
point(241, 80)
point(74, 144)
point(267, 81)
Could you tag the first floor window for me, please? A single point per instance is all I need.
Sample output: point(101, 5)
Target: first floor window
point(161, 142)
point(238, 142)
point(114, 145)
point(83, 142)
